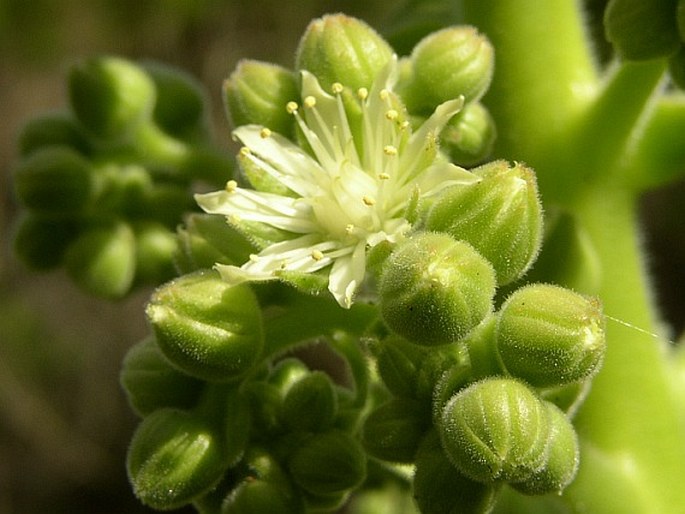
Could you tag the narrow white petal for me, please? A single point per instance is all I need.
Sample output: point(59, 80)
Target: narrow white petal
point(347, 275)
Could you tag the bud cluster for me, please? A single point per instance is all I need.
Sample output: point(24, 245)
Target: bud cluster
point(105, 183)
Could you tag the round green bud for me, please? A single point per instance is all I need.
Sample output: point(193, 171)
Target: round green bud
point(548, 335)
point(642, 30)
point(206, 327)
point(258, 496)
point(453, 62)
point(237, 420)
point(151, 383)
point(562, 461)
point(311, 404)
point(328, 463)
point(173, 458)
point(341, 49)
point(393, 431)
point(500, 215)
point(102, 260)
point(57, 129)
point(450, 383)
point(398, 362)
point(266, 402)
point(439, 488)
point(287, 373)
point(181, 99)
point(495, 430)
point(435, 290)
point(469, 137)
point(257, 93)
point(155, 247)
point(111, 96)
point(41, 242)
point(55, 180)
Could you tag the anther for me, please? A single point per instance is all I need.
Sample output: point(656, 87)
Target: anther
point(309, 102)
point(264, 133)
point(384, 94)
point(362, 93)
point(337, 88)
point(245, 151)
point(317, 255)
point(368, 201)
point(392, 114)
point(389, 150)
point(291, 107)
point(231, 186)
point(404, 124)
point(383, 176)
point(254, 257)
point(349, 228)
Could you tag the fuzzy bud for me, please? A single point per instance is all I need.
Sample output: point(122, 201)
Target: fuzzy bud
point(469, 136)
point(435, 290)
point(548, 335)
point(311, 403)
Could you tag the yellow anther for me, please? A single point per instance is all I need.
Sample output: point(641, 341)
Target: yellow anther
point(384, 94)
point(383, 176)
point(337, 88)
point(291, 107)
point(245, 151)
point(309, 102)
point(264, 133)
point(392, 114)
point(362, 93)
point(368, 201)
point(389, 150)
point(254, 257)
point(231, 186)
point(404, 124)
point(317, 255)
point(349, 228)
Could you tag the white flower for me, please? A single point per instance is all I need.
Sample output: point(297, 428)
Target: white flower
point(351, 190)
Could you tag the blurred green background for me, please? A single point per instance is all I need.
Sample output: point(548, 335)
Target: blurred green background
point(64, 423)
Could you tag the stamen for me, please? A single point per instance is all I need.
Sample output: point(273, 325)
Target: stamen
point(317, 255)
point(291, 107)
point(384, 94)
point(368, 200)
point(245, 151)
point(392, 114)
point(231, 186)
point(383, 176)
point(362, 93)
point(404, 125)
point(337, 88)
point(264, 133)
point(309, 102)
point(389, 150)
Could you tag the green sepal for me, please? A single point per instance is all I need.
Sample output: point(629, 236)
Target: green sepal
point(41, 242)
point(548, 335)
point(55, 180)
point(398, 362)
point(155, 247)
point(111, 96)
point(311, 403)
point(439, 488)
point(328, 463)
point(342, 49)
point(393, 431)
point(641, 30)
point(257, 93)
point(151, 382)
point(206, 327)
point(434, 290)
point(500, 215)
point(102, 260)
point(314, 283)
point(55, 129)
point(174, 457)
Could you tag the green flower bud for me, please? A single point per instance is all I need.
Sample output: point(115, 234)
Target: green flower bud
point(568, 397)
point(453, 62)
point(561, 465)
point(469, 136)
point(205, 240)
point(237, 424)
point(167, 203)
point(450, 383)
point(155, 247)
point(41, 242)
point(548, 335)
point(495, 430)
point(206, 327)
point(173, 458)
point(102, 260)
point(266, 404)
point(58, 129)
point(398, 362)
point(151, 383)
point(55, 180)
point(311, 403)
point(642, 30)
point(287, 373)
point(338, 48)
point(258, 496)
point(257, 92)
point(501, 216)
point(328, 463)
point(435, 290)
point(439, 488)
point(393, 431)
point(181, 99)
point(111, 96)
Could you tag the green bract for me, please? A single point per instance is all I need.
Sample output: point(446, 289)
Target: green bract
point(207, 328)
point(435, 290)
point(501, 216)
point(548, 335)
